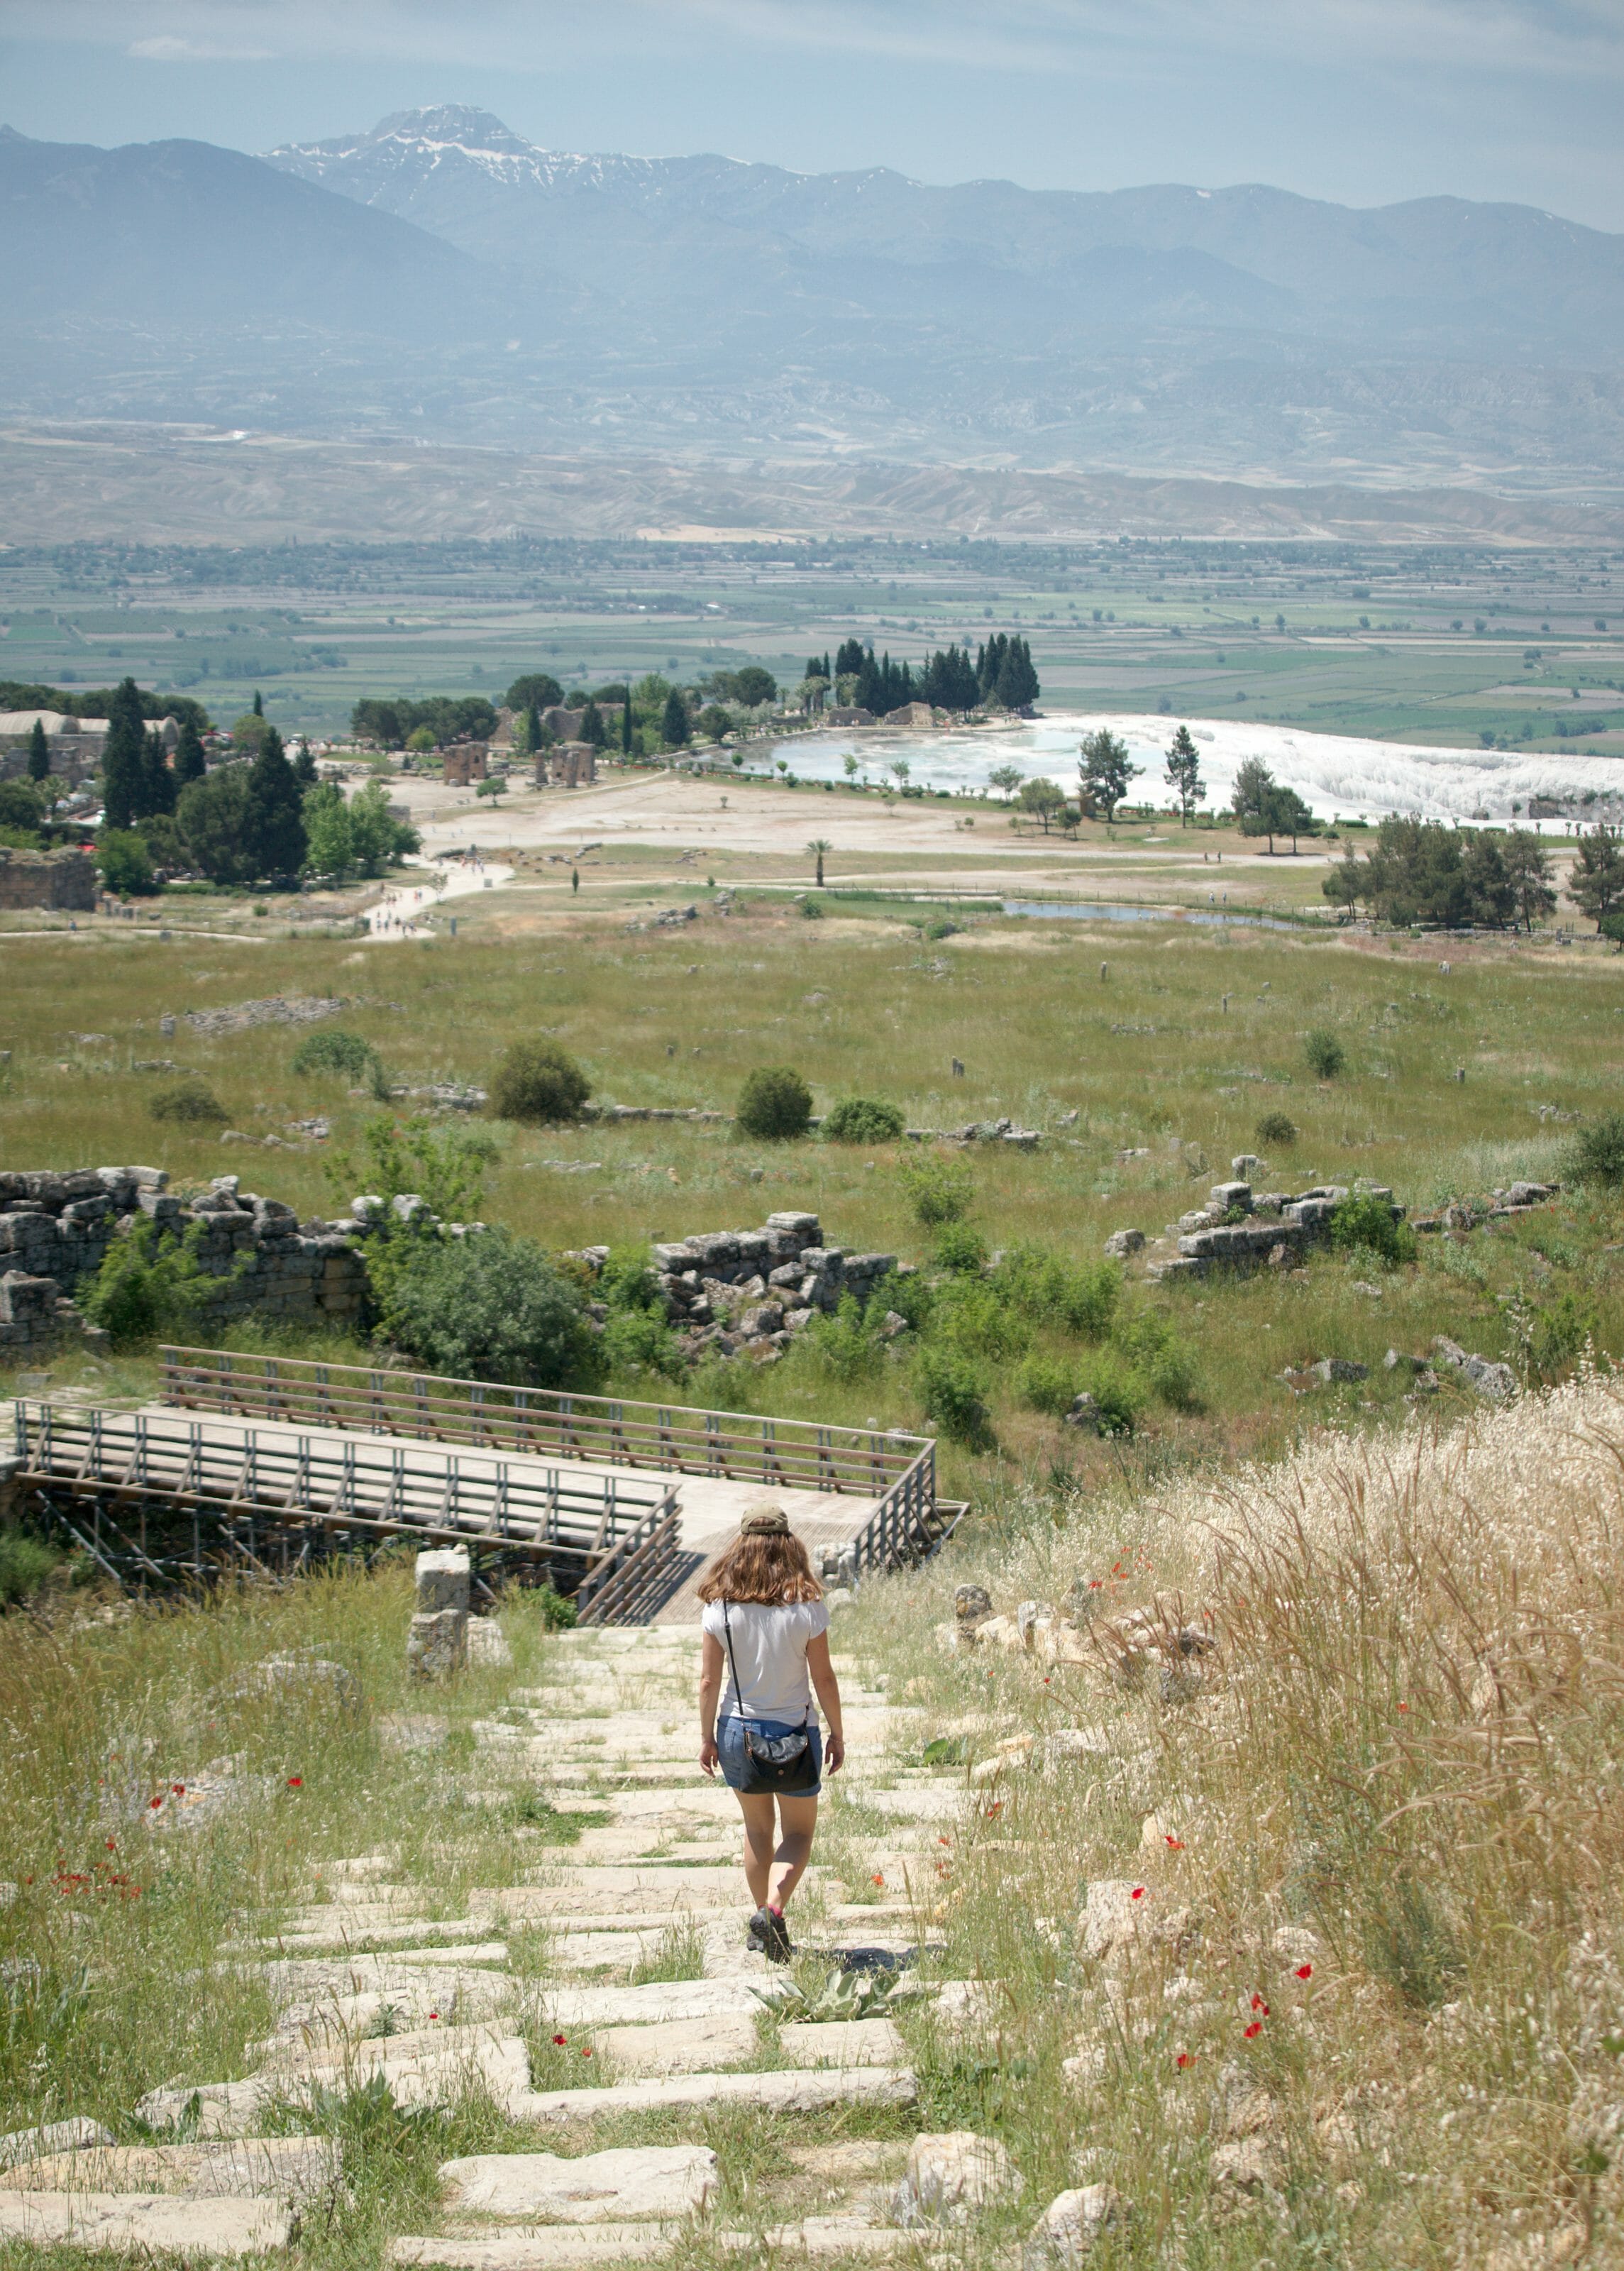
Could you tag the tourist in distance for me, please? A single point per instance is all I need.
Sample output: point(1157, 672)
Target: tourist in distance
point(767, 1636)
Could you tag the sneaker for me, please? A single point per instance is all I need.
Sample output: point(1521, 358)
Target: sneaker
point(759, 1934)
point(779, 1949)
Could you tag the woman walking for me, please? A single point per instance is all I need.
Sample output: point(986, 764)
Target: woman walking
point(764, 1650)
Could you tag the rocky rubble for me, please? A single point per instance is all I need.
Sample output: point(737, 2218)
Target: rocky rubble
point(1241, 1229)
point(750, 1291)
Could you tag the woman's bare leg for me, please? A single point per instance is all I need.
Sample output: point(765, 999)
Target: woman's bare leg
point(758, 1842)
point(799, 1817)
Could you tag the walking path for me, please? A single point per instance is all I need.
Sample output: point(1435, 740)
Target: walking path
point(610, 1979)
point(400, 913)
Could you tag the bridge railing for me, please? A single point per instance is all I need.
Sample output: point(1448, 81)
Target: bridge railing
point(442, 1495)
point(545, 1423)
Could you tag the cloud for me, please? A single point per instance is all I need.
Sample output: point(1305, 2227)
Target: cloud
point(165, 47)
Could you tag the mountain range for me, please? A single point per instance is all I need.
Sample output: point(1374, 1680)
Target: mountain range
point(440, 278)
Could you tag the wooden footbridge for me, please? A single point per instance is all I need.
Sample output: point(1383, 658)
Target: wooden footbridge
point(267, 1464)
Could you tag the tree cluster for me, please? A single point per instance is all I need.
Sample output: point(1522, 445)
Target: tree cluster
point(137, 780)
point(1264, 806)
point(359, 835)
point(97, 702)
point(1419, 871)
point(949, 679)
point(446, 717)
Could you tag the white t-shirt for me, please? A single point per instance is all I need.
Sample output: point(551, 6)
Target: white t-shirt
point(769, 1645)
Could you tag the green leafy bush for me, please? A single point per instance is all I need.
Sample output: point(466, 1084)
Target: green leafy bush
point(1364, 1225)
point(149, 1282)
point(863, 1120)
point(953, 1391)
point(1149, 1341)
point(938, 1189)
point(332, 1049)
point(1079, 1296)
point(125, 862)
point(539, 1085)
point(812, 911)
point(775, 1105)
point(189, 1103)
point(1326, 1054)
point(1276, 1127)
point(845, 1346)
point(1597, 1153)
point(443, 1166)
point(1119, 1390)
point(25, 1563)
point(1044, 1383)
point(957, 1248)
point(490, 1307)
point(971, 1313)
point(638, 1340)
point(627, 1280)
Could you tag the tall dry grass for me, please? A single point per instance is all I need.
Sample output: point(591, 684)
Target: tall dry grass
point(1368, 2005)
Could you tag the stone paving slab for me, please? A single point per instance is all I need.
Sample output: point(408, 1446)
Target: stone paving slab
point(661, 2002)
point(843, 2042)
point(285, 2168)
point(145, 2222)
point(680, 2046)
point(664, 2181)
point(435, 2075)
point(552, 2247)
point(799, 2092)
point(333, 1937)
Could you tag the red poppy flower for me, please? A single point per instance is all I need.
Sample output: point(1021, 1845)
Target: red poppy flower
point(1260, 2005)
point(1175, 1844)
point(112, 1847)
point(879, 1880)
point(1095, 1584)
point(1255, 2028)
point(295, 1781)
point(558, 2041)
point(1404, 1707)
point(156, 1802)
point(1184, 2060)
point(586, 2053)
point(944, 1841)
point(1138, 1893)
point(1305, 1971)
point(995, 1809)
point(434, 2015)
point(177, 1788)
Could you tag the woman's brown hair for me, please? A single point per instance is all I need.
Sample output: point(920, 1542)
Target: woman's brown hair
point(770, 1567)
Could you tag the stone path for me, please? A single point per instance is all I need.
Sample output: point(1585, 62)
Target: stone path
point(610, 1981)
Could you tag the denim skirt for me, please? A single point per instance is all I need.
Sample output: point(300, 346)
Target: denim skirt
point(730, 1749)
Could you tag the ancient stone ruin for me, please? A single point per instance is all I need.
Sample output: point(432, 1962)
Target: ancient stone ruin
point(1239, 1229)
point(65, 880)
point(750, 1292)
point(55, 1229)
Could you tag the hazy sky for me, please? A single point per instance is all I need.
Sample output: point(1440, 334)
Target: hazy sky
point(1360, 100)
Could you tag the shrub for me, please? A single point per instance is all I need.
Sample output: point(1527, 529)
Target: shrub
point(1119, 1390)
point(125, 863)
point(938, 1189)
point(489, 1307)
point(627, 1280)
point(812, 911)
point(638, 1340)
point(1081, 1297)
point(1153, 1347)
point(971, 1313)
point(1276, 1127)
point(960, 1249)
point(863, 1120)
point(334, 1050)
point(443, 1166)
point(775, 1105)
point(953, 1393)
point(149, 1284)
point(190, 1103)
point(1596, 1154)
point(25, 1563)
point(1364, 1225)
point(1045, 1384)
point(1326, 1056)
point(846, 1347)
point(539, 1083)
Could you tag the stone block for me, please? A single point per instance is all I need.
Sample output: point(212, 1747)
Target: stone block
point(627, 2183)
point(800, 2092)
point(437, 1644)
point(1066, 2232)
point(442, 1579)
point(952, 2174)
point(1121, 1243)
point(54, 2137)
point(144, 2224)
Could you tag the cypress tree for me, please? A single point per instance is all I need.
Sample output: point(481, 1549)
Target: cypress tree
point(189, 761)
point(626, 727)
point(1018, 685)
point(273, 819)
point(592, 728)
point(674, 729)
point(39, 753)
point(124, 758)
point(259, 703)
point(157, 780)
point(304, 767)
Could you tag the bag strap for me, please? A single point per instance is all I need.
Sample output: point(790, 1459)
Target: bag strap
point(738, 1693)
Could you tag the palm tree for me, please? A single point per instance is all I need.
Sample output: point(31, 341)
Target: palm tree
point(819, 845)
